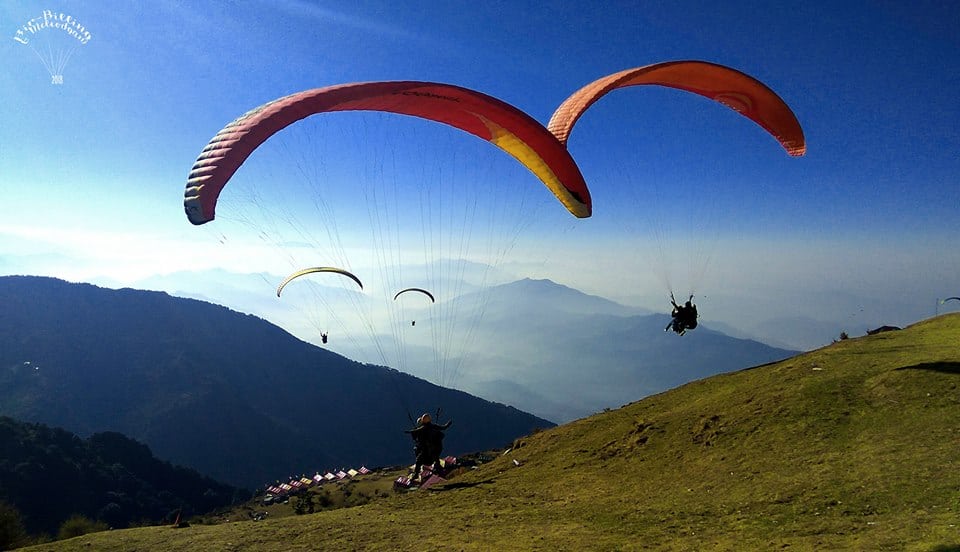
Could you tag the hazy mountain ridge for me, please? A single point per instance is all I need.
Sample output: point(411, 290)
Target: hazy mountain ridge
point(552, 297)
point(576, 354)
point(804, 329)
point(539, 345)
point(225, 393)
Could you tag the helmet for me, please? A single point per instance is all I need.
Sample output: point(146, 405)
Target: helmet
point(425, 419)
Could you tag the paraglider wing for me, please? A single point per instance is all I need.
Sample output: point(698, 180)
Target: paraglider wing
point(486, 117)
point(950, 299)
point(423, 291)
point(305, 271)
point(738, 91)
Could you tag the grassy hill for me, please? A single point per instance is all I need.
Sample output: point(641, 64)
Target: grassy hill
point(855, 446)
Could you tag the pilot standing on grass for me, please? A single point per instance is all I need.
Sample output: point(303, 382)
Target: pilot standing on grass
point(427, 443)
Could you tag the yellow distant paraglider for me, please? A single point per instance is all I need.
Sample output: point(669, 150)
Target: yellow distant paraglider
point(314, 270)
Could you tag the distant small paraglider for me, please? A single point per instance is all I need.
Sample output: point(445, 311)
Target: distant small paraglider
point(943, 301)
point(418, 290)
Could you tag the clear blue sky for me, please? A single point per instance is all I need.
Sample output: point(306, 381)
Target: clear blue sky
point(92, 171)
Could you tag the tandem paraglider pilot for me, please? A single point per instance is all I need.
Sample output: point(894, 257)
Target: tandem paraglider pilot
point(427, 442)
point(684, 317)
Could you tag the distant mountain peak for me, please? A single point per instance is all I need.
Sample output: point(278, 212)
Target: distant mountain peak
point(550, 295)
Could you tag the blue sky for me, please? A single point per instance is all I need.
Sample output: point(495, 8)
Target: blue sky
point(92, 171)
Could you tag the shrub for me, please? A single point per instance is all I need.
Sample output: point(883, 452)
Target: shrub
point(77, 525)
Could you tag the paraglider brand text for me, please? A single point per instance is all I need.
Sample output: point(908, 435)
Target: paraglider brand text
point(52, 20)
point(53, 37)
point(429, 95)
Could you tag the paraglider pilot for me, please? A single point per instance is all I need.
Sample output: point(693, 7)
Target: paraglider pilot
point(684, 317)
point(428, 442)
point(323, 337)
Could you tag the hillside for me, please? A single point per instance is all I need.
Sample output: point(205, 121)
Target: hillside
point(225, 393)
point(49, 474)
point(850, 447)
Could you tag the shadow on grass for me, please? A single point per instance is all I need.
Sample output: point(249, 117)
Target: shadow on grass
point(945, 367)
point(946, 548)
point(458, 485)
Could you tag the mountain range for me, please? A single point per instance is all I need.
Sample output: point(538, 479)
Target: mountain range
point(225, 393)
point(242, 400)
point(543, 347)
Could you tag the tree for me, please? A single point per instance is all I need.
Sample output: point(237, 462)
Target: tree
point(12, 532)
point(304, 504)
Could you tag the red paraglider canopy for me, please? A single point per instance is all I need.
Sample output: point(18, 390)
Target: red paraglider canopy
point(486, 117)
point(738, 91)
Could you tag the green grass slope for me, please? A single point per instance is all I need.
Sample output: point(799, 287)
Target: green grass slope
point(855, 446)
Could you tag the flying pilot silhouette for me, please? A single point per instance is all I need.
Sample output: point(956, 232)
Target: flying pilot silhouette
point(684, 317)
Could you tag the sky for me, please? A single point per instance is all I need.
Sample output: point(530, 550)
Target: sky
point(859, 231)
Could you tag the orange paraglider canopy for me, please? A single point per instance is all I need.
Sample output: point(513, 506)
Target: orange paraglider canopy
point(486, 117)
point(738, 91)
